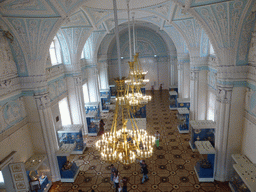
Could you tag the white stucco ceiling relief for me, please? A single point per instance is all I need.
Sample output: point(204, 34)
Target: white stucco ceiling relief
point(122, 4)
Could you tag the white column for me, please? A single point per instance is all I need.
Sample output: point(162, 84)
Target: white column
point(49, 133)
point(194, 89)
point(103, 72)
point(171, 73)
point(224, 95)
point(93, 84)
point(180, 78)
point(79, 102)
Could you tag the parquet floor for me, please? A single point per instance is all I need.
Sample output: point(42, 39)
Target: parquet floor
point(171, 168)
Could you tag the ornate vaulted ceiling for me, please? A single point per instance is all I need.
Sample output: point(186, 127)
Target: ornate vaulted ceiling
point(34, 23)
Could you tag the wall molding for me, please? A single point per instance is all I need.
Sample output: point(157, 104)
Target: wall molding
point(13, 129)
point(250, 117)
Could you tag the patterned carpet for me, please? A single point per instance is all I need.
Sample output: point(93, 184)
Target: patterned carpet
point(171, 168)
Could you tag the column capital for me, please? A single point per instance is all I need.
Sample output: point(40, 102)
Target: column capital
point(78, 80)
point(42, 100)
point(194, 75)
point(224, 94)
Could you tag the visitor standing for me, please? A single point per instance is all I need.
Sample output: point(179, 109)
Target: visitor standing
point(145, 172)
point(157, 135)
point(116, 180)
point(101, 131)
point(113, 170)
point(124, 180)
point(161, 88)
point(152, 89)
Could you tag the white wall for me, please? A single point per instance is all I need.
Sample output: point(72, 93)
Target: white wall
point(157, 71)
point(34, 125)
point(19, 141)
point(249, 140)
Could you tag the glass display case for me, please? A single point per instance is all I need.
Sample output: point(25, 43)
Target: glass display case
point(183, 102)
point(183, 120)
point(173, 100)
point(105, 99)
point(173, 88)
point(38, 172)
point(70, 134)
point(205, 167)
point(112, 91)
point(92, 118)
point(202, 130)
point(244, 176)
point(68, 169)
point(141, 113)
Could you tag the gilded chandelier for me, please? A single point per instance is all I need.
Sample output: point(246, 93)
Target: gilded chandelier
point(125, 145)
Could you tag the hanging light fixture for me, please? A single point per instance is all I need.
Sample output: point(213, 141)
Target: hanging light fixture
point(123, 144)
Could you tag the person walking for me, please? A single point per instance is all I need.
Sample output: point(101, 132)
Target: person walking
point(145, 172)
point(116, 180)
point(157, 135)
point(101, 131)
point(113, 170)
point(124, 180)
point(161, 88)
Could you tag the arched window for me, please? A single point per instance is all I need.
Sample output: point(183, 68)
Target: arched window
point(86, 93)
point(55, 52)
point(87, 50)
point(212, 52)
point(64, 112)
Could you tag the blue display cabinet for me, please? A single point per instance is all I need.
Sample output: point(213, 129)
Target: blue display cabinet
point(112, 89)
point(173, 88)
point(183, 102)
point(205, 167)
point(244, 176)
point(202, 130)
point(38, 165)
point(183, 120)
point(68, 172)
point(93, 108)
point(173, 100)
point(143, 90)
point(93, 126)
point(70, 134)
point(105, 99)
point(92, 118)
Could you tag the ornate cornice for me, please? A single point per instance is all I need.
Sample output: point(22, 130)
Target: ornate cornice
point(35, 83)
point(54, 71)
point(251, 73)
point(237, 73)
point(9, 85)
point(198, 61)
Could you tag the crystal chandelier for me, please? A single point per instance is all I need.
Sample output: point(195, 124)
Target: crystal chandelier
point(126, 145)
point(123, 144)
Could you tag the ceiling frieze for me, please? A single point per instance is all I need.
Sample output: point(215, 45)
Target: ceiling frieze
point(78, 19)
point(98, 15)
point(29, 8)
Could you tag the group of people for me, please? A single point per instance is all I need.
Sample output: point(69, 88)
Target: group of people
point(160, 89)
point(115, 178)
